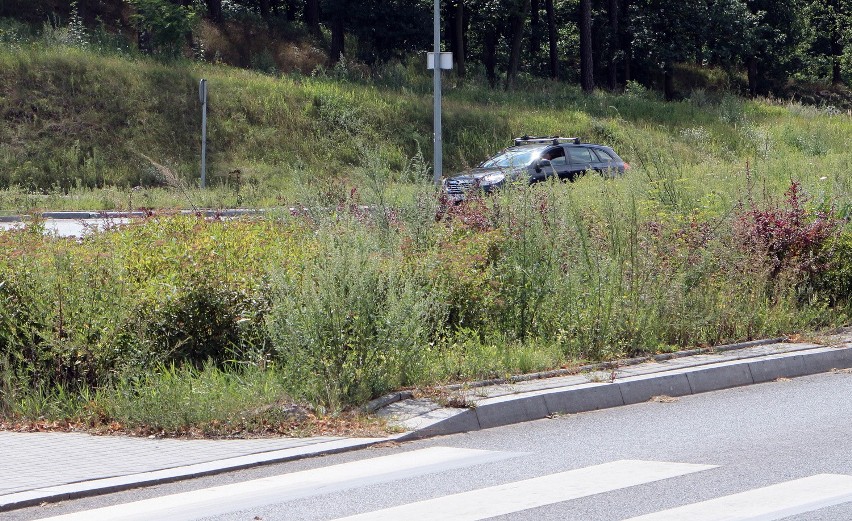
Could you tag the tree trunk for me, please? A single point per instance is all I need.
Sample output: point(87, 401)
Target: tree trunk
point(214, 9)
point(144, 43)
point(626, 41)
point(552, 37)
point(458, 31)
point(752, 76)
point(699, 51)
point(614, 44)
point(338, 39)
point(516, 24)
point(587, 73)
point(292, 10)
point(312, 17)
point(836, 58)
point(668, 84)
point(489, 57)
point(535, 34)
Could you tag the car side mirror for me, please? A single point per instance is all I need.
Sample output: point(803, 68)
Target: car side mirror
point(541, 164)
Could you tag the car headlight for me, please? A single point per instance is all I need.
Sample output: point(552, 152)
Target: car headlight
point(492, 179)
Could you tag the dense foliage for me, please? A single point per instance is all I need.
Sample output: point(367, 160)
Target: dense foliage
point(761, 44)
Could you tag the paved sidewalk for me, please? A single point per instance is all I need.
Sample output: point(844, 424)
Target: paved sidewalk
point(42, 467)
point(53, 466)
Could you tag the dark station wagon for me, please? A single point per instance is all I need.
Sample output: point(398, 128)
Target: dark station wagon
point(537, 159)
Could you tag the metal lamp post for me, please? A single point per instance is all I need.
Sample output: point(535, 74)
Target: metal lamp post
point(438, 61)
point(436, 176)
point(202, 96)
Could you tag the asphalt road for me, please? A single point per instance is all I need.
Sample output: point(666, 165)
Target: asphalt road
point(791, 436)
point(70, 227)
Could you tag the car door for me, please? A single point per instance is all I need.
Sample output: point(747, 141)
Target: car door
point(558, 165)
point(580, 159)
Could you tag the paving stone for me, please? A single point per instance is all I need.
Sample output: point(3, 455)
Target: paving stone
point(29, 459)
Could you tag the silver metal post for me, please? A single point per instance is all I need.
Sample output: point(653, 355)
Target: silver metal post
point(438, 167)
point(202, 94)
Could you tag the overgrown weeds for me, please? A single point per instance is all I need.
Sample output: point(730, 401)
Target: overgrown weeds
point(339, 303)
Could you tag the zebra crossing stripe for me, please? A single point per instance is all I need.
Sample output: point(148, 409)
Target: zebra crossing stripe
point(287, 487)
point(765, 504)
point(536, 492)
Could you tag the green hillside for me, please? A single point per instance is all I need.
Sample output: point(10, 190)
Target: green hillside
point(78, 120)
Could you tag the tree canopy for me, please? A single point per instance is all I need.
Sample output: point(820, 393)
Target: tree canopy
point(761, 44)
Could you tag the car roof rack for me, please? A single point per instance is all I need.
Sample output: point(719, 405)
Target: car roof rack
point(555, 140)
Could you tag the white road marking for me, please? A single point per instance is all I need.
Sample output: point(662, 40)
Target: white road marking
point(765, 504)
point(287, 487)
point(536, 492)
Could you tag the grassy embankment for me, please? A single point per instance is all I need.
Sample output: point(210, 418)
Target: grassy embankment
point(178, 324)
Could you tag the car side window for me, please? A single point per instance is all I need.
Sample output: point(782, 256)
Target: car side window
point(556, 156)
point(580, 155)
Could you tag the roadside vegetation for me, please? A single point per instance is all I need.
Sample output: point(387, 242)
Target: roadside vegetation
point(732, 224)
point(183, 325)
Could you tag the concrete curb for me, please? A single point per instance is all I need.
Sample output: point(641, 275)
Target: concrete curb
point(386, 400)
point(536, 405)
point(69, 215)
point(96, 487)
point(618, 363)
point(117, 214)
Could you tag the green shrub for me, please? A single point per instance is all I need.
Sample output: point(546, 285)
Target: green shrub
point(192, 323)
point(167, 24)
point(163, 291)
point(350, 322)
point(462, 266)
point(347, 303)
point(835, 283)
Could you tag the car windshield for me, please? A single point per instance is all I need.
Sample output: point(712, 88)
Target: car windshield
point(512, 158)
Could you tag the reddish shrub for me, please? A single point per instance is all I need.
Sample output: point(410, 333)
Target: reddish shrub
point(473, 214)
point(788, 236)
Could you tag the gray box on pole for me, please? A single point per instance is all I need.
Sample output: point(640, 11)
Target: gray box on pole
point(446, 60)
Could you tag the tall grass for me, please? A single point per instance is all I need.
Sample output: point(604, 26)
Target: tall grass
point(351, 322)
point(209, 400)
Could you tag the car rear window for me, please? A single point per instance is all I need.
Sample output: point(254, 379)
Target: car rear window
point(604, 155)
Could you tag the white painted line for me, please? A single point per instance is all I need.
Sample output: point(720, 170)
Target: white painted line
point(536, 492)
point(765, 504)
point(287, 487)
